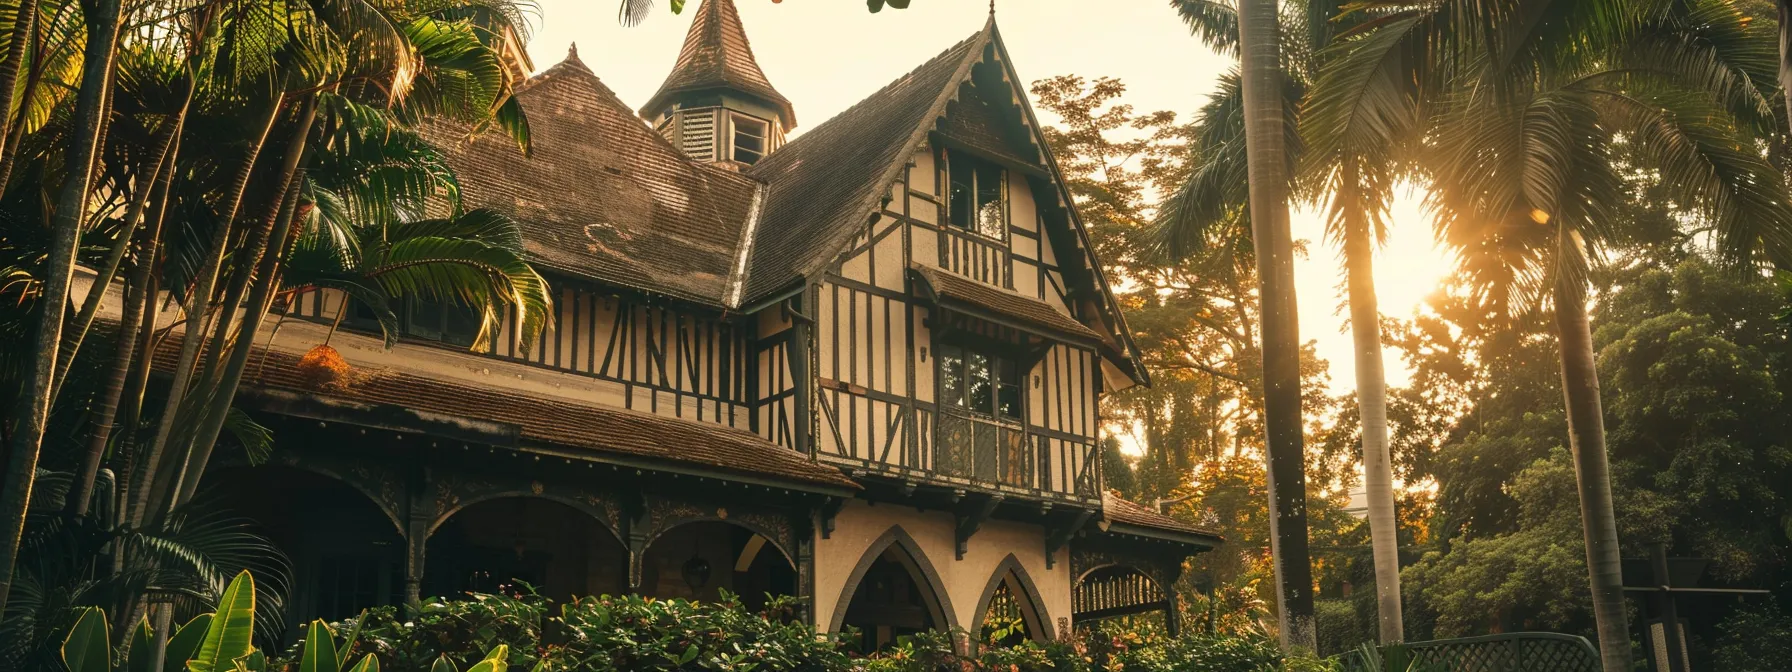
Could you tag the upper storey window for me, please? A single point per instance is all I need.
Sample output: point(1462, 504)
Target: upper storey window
point(985, 383)
point(750, 138)
point(978, 197)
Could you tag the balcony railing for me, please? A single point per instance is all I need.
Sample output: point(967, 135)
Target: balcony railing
point(986, 450)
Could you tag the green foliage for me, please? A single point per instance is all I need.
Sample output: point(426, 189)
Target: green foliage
point(1757, 639)
point(88, 646)
point(228, 637)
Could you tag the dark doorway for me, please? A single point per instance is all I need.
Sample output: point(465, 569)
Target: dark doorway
point(517, 544)
point(697, 561)
point(346, 553)
point(891, 601)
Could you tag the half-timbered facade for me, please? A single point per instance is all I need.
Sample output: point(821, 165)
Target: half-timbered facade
point(862, 364)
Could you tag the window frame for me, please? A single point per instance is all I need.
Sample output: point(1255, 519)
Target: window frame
point(997, 362)
point(972, 223)
point(734, 134)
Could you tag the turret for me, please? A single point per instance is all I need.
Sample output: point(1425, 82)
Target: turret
point(717, 104)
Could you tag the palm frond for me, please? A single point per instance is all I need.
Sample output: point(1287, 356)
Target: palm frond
point(1214, 22)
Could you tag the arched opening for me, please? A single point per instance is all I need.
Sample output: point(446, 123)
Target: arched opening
point(497, 545)
point(699, 560)
point(893, 593)
point(346, 551)
point(1009, 611)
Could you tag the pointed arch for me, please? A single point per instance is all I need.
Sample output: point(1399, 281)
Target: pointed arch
point(1011, 573)
point(938, 601)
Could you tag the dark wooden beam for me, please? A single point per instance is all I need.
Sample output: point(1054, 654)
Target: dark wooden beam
point(1057, 537)
point(970, 518)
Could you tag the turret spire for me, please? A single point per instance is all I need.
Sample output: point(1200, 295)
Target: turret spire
point(717, 59)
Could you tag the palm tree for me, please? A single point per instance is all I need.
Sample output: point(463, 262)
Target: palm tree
point(65, 230)
point(436, 60)
point(1514, 123)
point(1198, 212)
point(1265, 127)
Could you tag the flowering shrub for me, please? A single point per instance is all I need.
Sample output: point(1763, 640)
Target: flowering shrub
point(633, 633)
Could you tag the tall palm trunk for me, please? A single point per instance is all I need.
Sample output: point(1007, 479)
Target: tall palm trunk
point(1586, 437)
point(24, 27)
point(265, 253)
point(160, 468)
point(1372, 404)
point(1785, 12)
point(137, 305)
point(1261, 75)
point(107, 272)
point(65, 234)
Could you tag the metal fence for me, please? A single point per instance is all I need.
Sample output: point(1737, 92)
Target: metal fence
point(1512, 652)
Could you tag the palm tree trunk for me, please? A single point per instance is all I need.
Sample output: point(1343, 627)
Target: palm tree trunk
point(24, 28)
point(124, 461)
point(1261, 74)
point(1372, 404)
point(102, 280)
point(1586, 437)
point(71, 209)
point(1785, 11)
point(136, 306)
point(266, 254)
point(160, 468)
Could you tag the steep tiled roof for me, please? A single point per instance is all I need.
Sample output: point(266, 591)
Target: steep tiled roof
point(980, 121)
point(1118, 510)
point(827, 180)
point(602, 195)
point(593, 427)
point(950, 287)
point(716, 55)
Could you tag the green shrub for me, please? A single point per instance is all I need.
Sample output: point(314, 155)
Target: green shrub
point(1755, 640)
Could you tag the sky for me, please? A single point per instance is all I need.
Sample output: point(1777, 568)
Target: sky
point(825, 55)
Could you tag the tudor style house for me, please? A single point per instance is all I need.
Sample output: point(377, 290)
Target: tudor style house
point(861, 365)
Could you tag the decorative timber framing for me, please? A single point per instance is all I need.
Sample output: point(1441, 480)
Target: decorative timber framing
point(1095, 594)
point(635, 505)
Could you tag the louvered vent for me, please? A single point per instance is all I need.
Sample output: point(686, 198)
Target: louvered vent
point(699, 134)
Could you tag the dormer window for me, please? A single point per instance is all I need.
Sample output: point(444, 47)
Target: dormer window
point(978, 198)
point(750, 138)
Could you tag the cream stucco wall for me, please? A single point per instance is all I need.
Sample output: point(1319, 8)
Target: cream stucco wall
point(860, 524)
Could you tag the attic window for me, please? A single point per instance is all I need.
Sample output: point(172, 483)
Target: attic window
point(749, 139)
point(978, 198)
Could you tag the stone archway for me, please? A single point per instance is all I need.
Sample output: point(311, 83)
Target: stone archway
point(697, 559)
point(346, 549)
point(496, 544)
point(1011, 598)
point(892, 591)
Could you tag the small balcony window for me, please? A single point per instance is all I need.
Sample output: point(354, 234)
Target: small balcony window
point(750, 139)
point(978, 195)
point(980, 382)
point(420, 319)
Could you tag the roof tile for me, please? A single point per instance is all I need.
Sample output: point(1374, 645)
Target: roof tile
point(594, 427)
point(602, 196)
point(716, 55)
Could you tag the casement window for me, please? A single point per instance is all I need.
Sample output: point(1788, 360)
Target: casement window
point(419, 319)
point(441, 321)
point(978, 196)
point(979, 382)
point(751, 138)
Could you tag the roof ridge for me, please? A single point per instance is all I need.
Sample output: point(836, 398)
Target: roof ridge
point(882, 154)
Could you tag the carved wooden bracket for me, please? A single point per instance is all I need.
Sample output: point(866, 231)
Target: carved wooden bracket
point(971, 517)
point(1057, 537)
